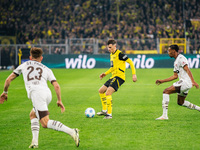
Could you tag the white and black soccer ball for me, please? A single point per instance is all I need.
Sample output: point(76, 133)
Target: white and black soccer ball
point(89, 112)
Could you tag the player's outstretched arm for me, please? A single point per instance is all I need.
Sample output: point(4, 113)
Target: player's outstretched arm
point(175, 76)
point(104, 74)
point(191, 76)
point(58, 93)
point(134, 77)
point(158, 82)
point(4, 95)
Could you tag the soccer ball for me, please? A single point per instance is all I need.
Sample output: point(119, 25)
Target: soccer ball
point(90, 112)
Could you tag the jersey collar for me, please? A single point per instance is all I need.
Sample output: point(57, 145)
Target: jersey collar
point(115, 51)
point(177, 56)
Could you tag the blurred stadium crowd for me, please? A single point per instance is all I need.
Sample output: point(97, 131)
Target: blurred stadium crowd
point(32, 20)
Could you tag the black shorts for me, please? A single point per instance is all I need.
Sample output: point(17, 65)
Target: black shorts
point(115, 82)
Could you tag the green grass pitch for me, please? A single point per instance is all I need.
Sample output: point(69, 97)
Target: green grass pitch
point(133, 127)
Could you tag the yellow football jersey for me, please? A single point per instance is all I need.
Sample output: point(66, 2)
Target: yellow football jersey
point(118, 64)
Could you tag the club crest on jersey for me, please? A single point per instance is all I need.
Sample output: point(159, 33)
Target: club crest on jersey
point(113, 57)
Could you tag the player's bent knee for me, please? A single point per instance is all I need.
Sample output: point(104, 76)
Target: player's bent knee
point(32, 115)
point(44, 121)
point(180, 103)
point(100, 91)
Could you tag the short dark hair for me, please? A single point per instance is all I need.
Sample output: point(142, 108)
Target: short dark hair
point(36, 52)
point(113, 42)
point(175, 47)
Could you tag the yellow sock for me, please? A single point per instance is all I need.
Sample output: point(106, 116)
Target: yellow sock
point(109, 104)
point(103, 101)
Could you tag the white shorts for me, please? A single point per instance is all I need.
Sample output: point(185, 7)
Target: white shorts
point(40, 100)
point(184, 86)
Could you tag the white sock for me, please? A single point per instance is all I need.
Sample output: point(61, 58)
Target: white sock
point(56, 125)
point(191, 106)
point(187, 104)
point(197, 107)
point(165, 103)
point(35, 130)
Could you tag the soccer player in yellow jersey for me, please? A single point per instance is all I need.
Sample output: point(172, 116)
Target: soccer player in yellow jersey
point(118, 65)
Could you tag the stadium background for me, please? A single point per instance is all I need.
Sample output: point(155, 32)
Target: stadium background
point(76, 31)
point(84, 26)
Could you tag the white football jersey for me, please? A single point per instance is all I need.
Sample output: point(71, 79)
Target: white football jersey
point(179, 63)
point(35, 76)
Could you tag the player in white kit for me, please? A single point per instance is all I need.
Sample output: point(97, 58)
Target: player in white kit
point(35, 76)
point(186, 81)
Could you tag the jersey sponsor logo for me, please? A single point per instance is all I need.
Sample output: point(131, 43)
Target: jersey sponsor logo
point(80, 62)
point(113, 57)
